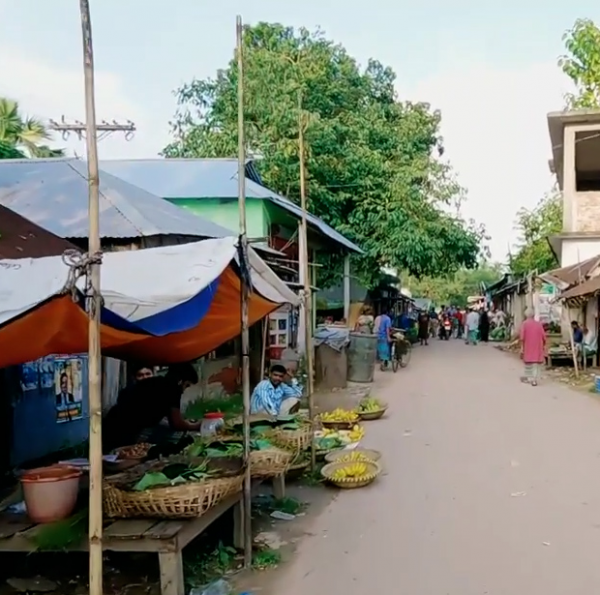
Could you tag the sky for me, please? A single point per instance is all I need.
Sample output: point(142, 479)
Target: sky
point(491, 70)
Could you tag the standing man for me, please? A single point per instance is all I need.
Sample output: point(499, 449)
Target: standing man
point(384, 338)
point(472, 327)
point(533, 347)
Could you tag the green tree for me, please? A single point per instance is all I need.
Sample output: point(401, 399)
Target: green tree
point(22, 135)
point(581, 64)
point(455, 288)
point(535, 225)
point(372, 161)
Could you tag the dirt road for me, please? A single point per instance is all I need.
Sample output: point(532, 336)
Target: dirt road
point(490, 487)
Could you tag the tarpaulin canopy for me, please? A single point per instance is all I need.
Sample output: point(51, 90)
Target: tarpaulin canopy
point(163, 305)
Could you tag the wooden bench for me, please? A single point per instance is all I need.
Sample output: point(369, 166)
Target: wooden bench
point(166, 538)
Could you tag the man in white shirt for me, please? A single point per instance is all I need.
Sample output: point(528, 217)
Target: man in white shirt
point(472, 327)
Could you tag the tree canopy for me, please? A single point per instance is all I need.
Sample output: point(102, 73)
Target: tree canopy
point(20, 135)
point(456, 288)
point(535, 225)
point(373, 168)
point(581, 63)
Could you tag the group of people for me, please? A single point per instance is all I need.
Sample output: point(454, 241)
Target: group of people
point(472, 323)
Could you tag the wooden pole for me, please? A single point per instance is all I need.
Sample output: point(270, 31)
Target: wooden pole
point(263, 354)
point(94, 354)
point(307, 290)
point(244, 305)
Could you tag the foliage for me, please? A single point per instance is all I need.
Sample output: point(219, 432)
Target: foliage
point(372, 167)
point(456, 288)
point(535, 225)
point(20, 136)
point(581, 64)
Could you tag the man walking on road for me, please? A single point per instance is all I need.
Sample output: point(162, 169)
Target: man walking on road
point(472, 327)
point(533, 347)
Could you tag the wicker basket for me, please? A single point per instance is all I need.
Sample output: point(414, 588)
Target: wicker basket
point(366, 454)
point(294, 440)
point(372, 415)
point(270, 462)
point(175, 502)
point(297, 468)
point(373, 470)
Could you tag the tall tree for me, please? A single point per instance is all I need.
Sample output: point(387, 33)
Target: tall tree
point(454, 289)
point(20, 134)
point(535, 225)
point(581, 64)
point(372, 161)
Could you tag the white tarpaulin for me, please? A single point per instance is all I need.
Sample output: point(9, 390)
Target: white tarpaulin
point(137, 284)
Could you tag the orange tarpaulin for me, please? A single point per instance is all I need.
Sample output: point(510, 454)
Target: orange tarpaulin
point(60, 326)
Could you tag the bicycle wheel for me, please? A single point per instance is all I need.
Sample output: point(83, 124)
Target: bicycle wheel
point(393, 358)
point(405, 357)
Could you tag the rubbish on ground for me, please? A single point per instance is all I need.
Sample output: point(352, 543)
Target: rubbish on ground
point(220, 587)
point(545, 543)
point(282, 516)
point(269, 539)
point(518, 494)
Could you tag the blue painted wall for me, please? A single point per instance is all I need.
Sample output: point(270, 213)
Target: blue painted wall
point(36, 432)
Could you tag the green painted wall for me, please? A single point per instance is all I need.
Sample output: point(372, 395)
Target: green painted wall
point(225, 212)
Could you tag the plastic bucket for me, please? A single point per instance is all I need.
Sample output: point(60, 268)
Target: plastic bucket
point(50, 492)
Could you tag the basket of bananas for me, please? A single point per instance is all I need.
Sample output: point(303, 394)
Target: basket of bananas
point(339, 419)
point(370, 409)
point(351, 475)
point(353, 456)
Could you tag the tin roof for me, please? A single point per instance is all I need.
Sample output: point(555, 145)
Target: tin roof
point(20, 238)
point(54, 194)
point(209, 178)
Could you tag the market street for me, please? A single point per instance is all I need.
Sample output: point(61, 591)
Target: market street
point(490, 487)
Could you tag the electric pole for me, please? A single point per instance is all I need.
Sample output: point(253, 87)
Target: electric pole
point(103, 129)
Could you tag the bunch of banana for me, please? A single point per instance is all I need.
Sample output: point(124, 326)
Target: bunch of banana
point(353, 457)
point(329, 431)
point(339, 415)
point(369, 405)
point(357, 433)
point(350, 471)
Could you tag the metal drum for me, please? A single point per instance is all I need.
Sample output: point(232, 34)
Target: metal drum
point(362, 356)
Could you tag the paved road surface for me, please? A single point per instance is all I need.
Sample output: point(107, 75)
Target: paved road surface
point(492, 487)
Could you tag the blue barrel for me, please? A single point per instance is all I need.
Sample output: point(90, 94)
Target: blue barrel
point(597, 383)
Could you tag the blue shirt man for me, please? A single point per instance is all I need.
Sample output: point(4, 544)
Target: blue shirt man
point(274, 396)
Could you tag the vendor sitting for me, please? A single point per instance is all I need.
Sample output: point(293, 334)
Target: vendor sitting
point(277, 395)
point(142, 406)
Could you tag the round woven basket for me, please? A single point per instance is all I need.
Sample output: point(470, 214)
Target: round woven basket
point(174, 502)
point(294, 440)
point(372, 415)
point(297, 468)
point(270, 462)
point(365, 454)
point(373, 470)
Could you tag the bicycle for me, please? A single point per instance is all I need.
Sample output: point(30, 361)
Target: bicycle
point(400, 351)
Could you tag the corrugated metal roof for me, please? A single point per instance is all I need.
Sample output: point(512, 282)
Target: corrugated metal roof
point(20, 238)
point(208, 178)
point(54, 194)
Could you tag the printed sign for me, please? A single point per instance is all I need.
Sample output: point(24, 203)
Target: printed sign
point(68, 388)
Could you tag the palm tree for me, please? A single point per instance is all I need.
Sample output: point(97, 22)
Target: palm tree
point(24, 134)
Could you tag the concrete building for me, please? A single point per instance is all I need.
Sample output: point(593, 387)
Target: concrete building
point(575, 139)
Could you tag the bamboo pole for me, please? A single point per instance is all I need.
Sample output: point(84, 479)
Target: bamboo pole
point(263, 354)
point(94, 354)
point(307, 288)
point(244, 298)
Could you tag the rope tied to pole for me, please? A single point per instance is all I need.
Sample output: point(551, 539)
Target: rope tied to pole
point(80, 265)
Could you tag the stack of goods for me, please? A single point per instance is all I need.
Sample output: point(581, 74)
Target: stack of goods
point(340, 430)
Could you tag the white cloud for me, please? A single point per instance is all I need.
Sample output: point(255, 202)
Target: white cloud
point(496, 136)
point(49, 92)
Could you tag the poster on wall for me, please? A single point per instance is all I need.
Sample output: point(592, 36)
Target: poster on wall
point(29, 376)
point(68, 388)
point(46, 368)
